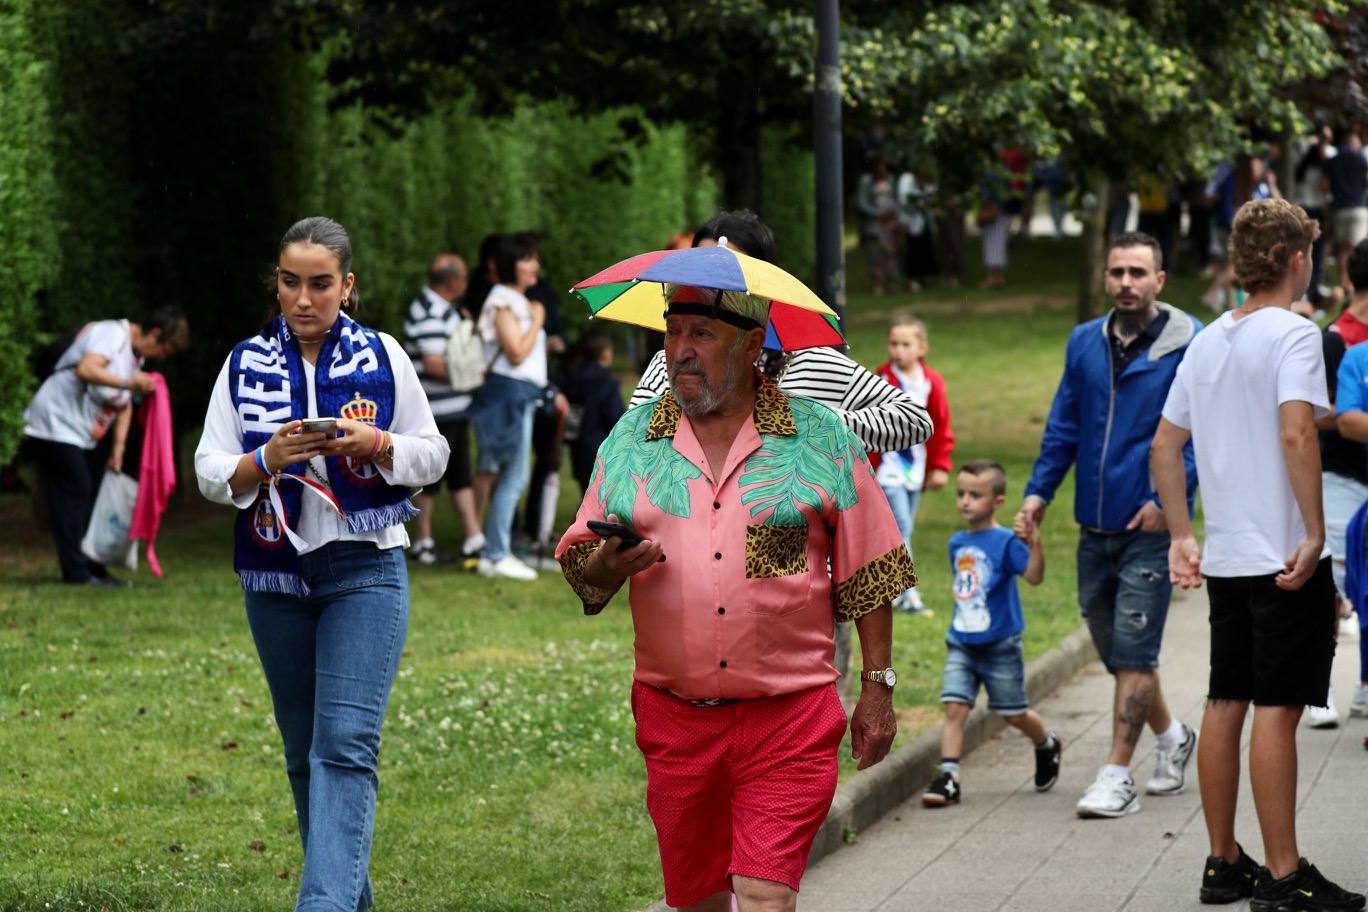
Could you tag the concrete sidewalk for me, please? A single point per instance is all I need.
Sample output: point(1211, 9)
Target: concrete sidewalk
point(1005, 847)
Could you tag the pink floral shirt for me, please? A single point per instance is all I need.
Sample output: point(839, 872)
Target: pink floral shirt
point(743, 605)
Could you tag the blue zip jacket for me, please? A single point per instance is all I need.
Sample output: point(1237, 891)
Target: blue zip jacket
point(1106, 432)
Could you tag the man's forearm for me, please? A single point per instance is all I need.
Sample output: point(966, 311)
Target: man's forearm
point(876, 638)
point(1301, 451)
point(1353, 425)
point(1170, 482)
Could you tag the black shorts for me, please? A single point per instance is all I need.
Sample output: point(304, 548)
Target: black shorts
point(1271, 646)
point(457, 475)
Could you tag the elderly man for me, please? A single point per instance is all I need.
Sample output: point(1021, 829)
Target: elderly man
point(740, 494)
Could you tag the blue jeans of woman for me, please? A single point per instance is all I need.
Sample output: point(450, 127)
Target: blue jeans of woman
point(512, 481)
point(904, 504)
point(330, 659)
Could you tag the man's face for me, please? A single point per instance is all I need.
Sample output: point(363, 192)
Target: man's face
point(704, 361)
point(1133, 279)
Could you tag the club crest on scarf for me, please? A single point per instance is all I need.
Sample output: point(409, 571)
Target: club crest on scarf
point(363, 410)
point(269, 381)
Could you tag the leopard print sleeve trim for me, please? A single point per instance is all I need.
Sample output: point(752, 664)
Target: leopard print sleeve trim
point(875, 584)
point(572, 563)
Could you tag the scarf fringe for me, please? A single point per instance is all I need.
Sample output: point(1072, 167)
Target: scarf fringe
point(273, 581)
point(376, 518)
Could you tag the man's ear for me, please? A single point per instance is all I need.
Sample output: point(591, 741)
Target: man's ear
point(754, 342)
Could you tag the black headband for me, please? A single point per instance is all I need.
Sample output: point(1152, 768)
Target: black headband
point(682, 309)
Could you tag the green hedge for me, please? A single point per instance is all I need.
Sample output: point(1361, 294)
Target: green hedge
point(452, 178)
point(27, 193)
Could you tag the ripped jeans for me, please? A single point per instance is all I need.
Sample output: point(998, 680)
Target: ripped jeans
point(1123, 591)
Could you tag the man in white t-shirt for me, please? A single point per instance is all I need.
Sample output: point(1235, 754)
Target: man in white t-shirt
point(87, 393)
point(1248, 393)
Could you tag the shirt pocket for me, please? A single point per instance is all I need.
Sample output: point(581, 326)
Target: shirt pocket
point(775, 551)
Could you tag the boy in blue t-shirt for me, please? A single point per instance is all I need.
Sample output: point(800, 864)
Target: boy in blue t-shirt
point(984, 642)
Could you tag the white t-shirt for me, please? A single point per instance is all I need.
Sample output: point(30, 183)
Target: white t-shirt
point(67, 410)
point(533, 367)
point(420, 454)
point(1227, 391)
point(894, 471)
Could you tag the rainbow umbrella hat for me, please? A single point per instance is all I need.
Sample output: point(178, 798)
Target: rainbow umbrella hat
point(633, 291)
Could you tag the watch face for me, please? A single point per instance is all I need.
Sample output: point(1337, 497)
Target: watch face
point(890, 677)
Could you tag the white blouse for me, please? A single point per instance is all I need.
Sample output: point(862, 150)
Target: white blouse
point(420, 454)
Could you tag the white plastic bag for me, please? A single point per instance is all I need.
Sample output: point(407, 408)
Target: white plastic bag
point(106, 540)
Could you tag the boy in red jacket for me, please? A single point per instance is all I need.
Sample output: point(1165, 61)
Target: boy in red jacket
point(904, 474)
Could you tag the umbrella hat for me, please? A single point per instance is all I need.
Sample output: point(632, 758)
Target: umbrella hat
point(634, 291)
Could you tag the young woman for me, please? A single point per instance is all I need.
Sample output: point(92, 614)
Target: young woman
point(501, 415)
point(319, 540)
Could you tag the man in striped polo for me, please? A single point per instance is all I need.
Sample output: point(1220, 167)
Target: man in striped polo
point(432, 318)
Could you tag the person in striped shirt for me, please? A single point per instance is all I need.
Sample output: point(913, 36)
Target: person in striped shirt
point(432, 318)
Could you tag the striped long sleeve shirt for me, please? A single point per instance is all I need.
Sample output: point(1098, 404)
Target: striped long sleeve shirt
point(882, 416)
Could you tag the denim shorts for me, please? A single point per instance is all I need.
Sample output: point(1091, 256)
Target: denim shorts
point(1124, 590)
point(1000, 667)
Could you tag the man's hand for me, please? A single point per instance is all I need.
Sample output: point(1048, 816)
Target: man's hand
point(1185, 563)
point(936, 479)
point(116, 458)
point(872, 725)
point(141, 383)
point(1149, 519)
point(1300, 565)
point(1031, 515)
point(611, 565)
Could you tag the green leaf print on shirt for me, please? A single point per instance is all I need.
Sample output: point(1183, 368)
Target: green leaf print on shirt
point(807, 468)
point(627, 457)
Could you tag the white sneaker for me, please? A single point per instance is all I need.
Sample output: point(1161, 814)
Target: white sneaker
point(1324, 716)
point(1349, 626)
point(1359, 705)
point(1170, 766)
point(508, 567)
point(1109, 796)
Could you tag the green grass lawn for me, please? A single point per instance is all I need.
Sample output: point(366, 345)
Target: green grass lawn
point(140, 767)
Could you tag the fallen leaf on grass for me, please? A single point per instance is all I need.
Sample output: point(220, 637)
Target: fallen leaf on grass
point(283, 875)
point(66, 714)
point(258, 845)
point(228, 745)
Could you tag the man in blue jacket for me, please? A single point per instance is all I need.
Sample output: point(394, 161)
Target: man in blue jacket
point(1117, 372)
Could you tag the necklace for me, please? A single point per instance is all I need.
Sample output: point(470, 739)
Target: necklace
point(319, 475)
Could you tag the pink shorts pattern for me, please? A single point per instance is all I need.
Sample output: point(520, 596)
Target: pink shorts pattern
point(740, 788)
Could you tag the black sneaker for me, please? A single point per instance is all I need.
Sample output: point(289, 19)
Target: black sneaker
point(1047, 763)
point(1304, 890)
point(1227, 881)
point(945, 790)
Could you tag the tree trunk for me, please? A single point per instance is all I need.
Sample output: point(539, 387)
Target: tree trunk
point(738, 142)
point(1090, 295)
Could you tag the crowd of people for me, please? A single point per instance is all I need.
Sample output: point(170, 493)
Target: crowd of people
point(758, 504)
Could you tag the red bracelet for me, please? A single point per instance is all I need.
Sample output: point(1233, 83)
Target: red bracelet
point(379, 445)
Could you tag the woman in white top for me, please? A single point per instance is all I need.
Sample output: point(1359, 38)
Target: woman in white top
point(501, 415)
point(319, 541)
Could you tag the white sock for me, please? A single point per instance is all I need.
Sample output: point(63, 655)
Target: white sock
point(422, 543)
point(1117, 771)
point(952, 767)
point(473, 543)
point(1168, 740)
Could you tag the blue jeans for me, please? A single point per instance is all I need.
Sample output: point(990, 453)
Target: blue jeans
point(503, 500)
point(904, 504)
point(330, 659)
point(1124, 590)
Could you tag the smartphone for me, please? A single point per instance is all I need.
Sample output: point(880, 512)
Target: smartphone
point(608, 530)
point(319, 425)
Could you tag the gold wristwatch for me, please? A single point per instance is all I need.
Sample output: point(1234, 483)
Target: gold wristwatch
point(885, 676)
point(387, 454)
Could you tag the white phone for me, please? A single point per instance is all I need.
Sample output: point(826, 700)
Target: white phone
point(319, 425)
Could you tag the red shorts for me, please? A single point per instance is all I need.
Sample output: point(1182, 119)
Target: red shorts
point(740, 788)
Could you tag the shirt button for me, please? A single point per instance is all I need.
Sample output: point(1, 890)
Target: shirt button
point(721, 610)
point(717, 555)
point(723, 663)
point(716, 505)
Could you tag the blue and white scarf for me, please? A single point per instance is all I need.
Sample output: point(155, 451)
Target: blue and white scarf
point(353, 379)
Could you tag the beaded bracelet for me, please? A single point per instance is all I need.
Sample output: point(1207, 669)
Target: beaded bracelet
point(259, 461)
